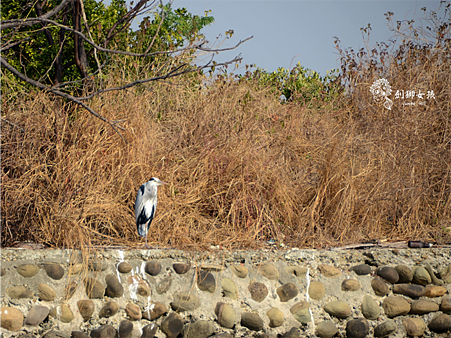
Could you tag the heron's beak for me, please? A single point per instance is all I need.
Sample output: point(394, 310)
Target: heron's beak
point(162, 183)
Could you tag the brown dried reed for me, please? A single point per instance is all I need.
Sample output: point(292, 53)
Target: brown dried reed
point(242, 167)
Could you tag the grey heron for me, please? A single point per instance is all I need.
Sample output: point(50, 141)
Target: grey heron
point(146, 205)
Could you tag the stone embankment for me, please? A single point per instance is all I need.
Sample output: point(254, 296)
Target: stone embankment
point(169, 293)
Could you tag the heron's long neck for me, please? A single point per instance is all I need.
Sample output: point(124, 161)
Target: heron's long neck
point(152, 190)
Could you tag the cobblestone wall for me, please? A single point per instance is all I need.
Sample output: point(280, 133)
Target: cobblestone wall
point(294, 293)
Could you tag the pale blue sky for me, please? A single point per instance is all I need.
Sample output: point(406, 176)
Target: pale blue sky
point(302, 30)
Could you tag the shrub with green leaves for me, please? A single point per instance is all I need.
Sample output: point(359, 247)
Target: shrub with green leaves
point(298, 84)
point(46, 52)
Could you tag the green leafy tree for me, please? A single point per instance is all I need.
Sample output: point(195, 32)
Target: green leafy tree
point(170, 29)
point(67, 47)
point(54, 54)
point(166, 30)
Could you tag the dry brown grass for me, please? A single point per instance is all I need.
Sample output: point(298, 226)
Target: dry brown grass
point(242, 167)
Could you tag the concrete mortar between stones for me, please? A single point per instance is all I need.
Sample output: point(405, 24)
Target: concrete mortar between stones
point(288, 273)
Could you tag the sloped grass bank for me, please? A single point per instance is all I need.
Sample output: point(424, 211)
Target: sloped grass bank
point(242, 167)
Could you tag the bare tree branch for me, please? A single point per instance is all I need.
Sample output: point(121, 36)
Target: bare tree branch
point(127, 18)
point(174, 73)
point(38, 8)
point(90, 35)
point(29, 22)
point(113, 51)
point(158, 29)
point(199, 47)
point(21, 76)
point(13, 124)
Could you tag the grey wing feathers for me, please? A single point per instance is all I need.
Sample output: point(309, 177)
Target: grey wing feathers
point(144, 220)
point(145, 207)
point(139, 203)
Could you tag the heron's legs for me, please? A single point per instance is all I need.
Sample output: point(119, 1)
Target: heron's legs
point(147, 231)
